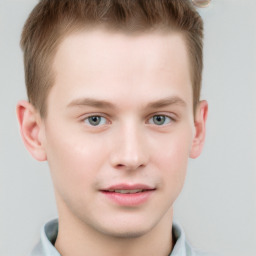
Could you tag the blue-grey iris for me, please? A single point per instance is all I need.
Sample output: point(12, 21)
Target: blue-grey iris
point(159, 120)
point(94, 120)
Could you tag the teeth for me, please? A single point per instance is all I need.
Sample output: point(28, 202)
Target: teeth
point(124, 191)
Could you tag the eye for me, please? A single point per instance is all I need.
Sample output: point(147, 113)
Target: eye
point(160, 120)
point(95, 120)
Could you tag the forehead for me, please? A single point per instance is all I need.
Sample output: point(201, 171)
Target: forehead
point(105, 62)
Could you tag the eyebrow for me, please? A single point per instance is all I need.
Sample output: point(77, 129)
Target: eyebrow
point(91, 103)
point(174, 100)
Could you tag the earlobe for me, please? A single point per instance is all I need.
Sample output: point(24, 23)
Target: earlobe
point(30, 128)
point(200, 129)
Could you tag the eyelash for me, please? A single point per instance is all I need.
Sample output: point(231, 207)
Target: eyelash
point(172, 119)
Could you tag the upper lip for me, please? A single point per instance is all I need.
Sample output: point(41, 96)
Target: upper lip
point(124, 186)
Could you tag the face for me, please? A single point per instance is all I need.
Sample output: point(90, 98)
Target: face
point(119, 129)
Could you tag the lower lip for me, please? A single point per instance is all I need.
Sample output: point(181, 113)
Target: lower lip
point(129, 199)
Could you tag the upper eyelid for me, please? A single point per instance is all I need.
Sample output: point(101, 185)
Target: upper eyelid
point(172, 116)
point(85, 116)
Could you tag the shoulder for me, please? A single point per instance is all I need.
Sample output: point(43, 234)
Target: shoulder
point(190, 251)
point(38, 250)
point(204, 254)
point(195, 252)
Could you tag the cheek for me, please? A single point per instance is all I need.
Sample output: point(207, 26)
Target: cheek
point(172, 158)
point(74, 160)
point(174, 163)
point(173, 148)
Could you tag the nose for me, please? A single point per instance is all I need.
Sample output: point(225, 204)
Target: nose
point(130, 150)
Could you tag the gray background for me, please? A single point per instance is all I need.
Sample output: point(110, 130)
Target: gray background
point(217, 207)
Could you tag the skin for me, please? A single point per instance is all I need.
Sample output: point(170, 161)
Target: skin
point(126, 80)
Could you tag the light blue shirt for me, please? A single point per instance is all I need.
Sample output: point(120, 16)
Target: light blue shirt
point(50, 230)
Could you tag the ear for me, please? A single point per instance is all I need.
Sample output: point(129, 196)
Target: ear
point(199, 123)
point(30, 128)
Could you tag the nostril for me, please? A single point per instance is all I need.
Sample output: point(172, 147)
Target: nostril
point(129, 166)
point(120, 165)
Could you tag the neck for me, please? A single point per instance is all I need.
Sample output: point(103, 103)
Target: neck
point(76, 238)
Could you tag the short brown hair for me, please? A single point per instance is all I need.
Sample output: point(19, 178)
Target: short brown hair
point(52, 20)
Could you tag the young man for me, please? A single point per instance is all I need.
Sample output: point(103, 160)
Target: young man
point(113, 88)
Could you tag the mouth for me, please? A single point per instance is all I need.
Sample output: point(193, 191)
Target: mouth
point(128, 195)
point(126, 191)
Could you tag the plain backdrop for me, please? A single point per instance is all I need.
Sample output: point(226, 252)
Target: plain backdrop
point(217, 207)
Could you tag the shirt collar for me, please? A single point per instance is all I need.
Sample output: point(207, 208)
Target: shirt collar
point(50, 230)
point(48, 237)
point(179, 248)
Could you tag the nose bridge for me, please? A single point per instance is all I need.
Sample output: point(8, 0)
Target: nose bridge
point(130, 151)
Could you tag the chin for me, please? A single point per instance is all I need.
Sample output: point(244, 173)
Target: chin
point(126, 233)
point(127, 230)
